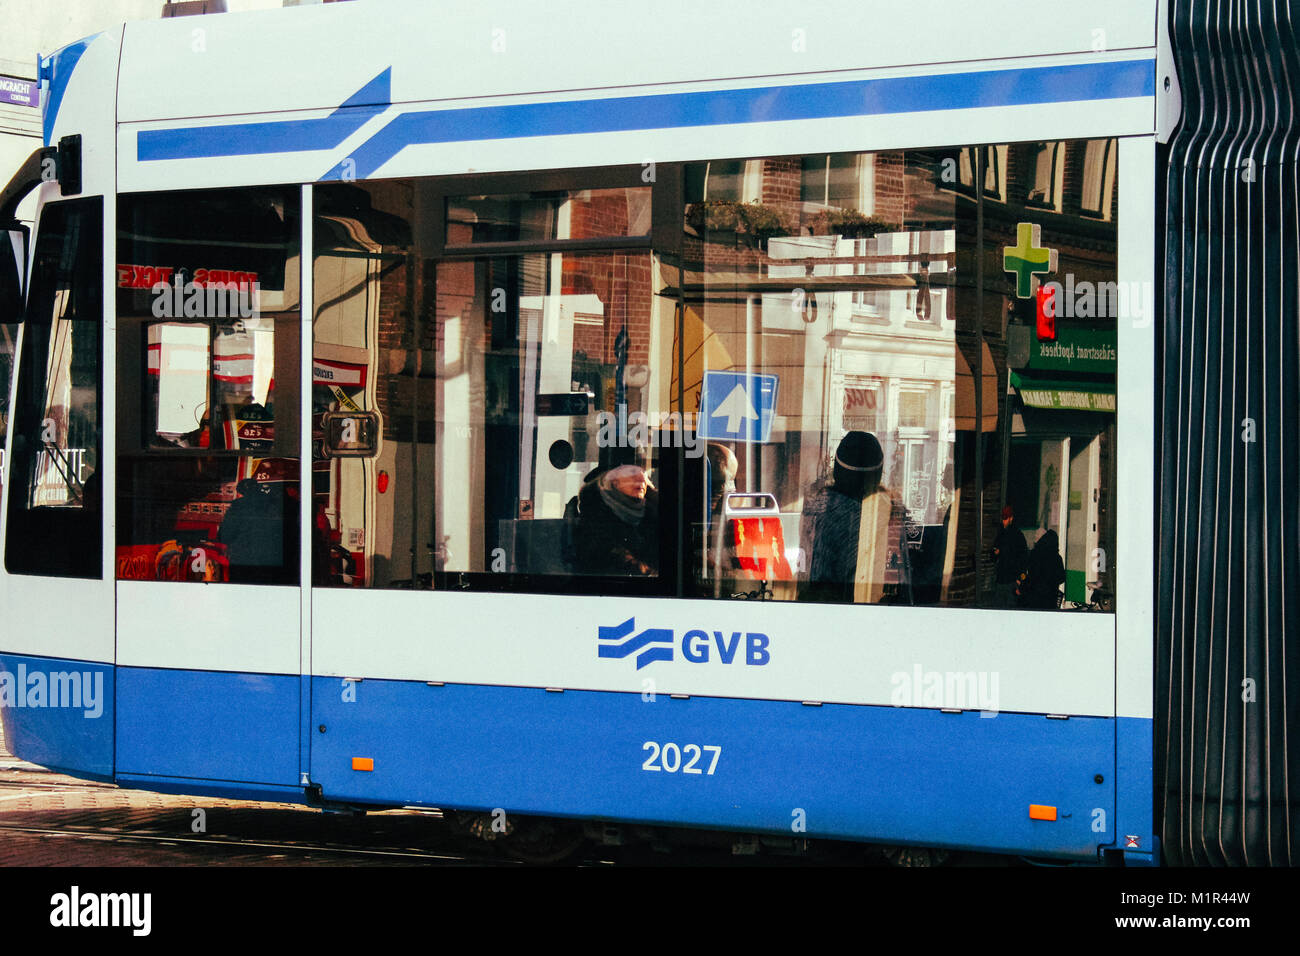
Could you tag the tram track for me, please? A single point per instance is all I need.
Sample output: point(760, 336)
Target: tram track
point(263, 847)
point(32, 800)
point(44, 786)
point(17, 783)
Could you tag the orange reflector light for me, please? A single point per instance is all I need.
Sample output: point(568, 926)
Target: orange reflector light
point(1036, 812)
point(368, 763)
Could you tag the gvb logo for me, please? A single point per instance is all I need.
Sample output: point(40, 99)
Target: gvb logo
point(697, 646)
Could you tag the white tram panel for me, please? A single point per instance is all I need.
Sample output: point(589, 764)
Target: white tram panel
point(87, 108)
point(1135, 429)
point(1080, 119)
point(233, 627)
point(305, 58)
point(1032, 662)
point(72, 618)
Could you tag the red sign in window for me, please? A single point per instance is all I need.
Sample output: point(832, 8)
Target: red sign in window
point(1046, 309)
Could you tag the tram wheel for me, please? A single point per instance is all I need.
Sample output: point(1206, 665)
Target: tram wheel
point(543, 840)
point(916, 855)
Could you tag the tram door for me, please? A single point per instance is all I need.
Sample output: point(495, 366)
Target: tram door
point(208, 498)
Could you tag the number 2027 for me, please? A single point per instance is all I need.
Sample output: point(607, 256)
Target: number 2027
point(668, 757)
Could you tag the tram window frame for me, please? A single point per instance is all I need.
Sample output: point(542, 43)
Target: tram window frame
point(680, 478)
point(137, 445)
point(44, 541)
point(427, 208)
point(132, 349)
point(667, 466)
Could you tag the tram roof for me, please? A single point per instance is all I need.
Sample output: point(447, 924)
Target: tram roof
point(321, 56)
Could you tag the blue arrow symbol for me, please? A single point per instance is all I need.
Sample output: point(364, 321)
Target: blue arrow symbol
point(734, 408)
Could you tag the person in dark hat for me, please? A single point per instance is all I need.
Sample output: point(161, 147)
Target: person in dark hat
point(1042, 588)
point(618, 523)
point(260, 533)
point(1010, 555)
point(832, 514)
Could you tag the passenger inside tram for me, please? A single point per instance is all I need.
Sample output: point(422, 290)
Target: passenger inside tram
point(259, 531)
point(618, 523)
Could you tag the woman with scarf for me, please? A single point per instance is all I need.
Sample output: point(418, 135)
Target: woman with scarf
point(618, 523)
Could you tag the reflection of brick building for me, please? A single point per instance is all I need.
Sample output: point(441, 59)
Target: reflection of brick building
point(1070, 190)
point(1068, 187)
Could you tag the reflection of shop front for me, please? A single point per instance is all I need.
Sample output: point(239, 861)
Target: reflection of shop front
point(1061, 437)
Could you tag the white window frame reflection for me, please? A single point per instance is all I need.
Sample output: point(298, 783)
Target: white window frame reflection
point(749, 181)
point(1101, 181)
point(864, 175)
point(1049, 176)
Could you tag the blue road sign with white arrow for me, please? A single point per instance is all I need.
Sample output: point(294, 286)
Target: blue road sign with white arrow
point(736, 406)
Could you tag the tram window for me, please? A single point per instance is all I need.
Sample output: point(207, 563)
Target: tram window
point(368, 359)
point(1053, 468)
point(826, 334)
point(553, 404)
point(53, 525)
point(857, 406)
point(812, 384)
point(208, 347)
point(523, 401)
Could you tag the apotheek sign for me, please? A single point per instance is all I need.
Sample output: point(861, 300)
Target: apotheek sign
point(1070, 399)
point(1075, 350)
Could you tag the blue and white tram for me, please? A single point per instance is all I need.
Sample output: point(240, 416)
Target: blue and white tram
point(490, 409)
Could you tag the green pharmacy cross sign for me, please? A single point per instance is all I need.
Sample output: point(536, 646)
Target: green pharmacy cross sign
point(1026, 259)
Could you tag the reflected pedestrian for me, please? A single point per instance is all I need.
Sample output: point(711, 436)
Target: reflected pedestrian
point(1011, 554)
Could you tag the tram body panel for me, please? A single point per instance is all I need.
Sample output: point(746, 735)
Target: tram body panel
point(59, 713)
point(736, 649)
point(230, 695)
point(871, 773)
point(217, 66)
point(1057, 97)
point(487, 701)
